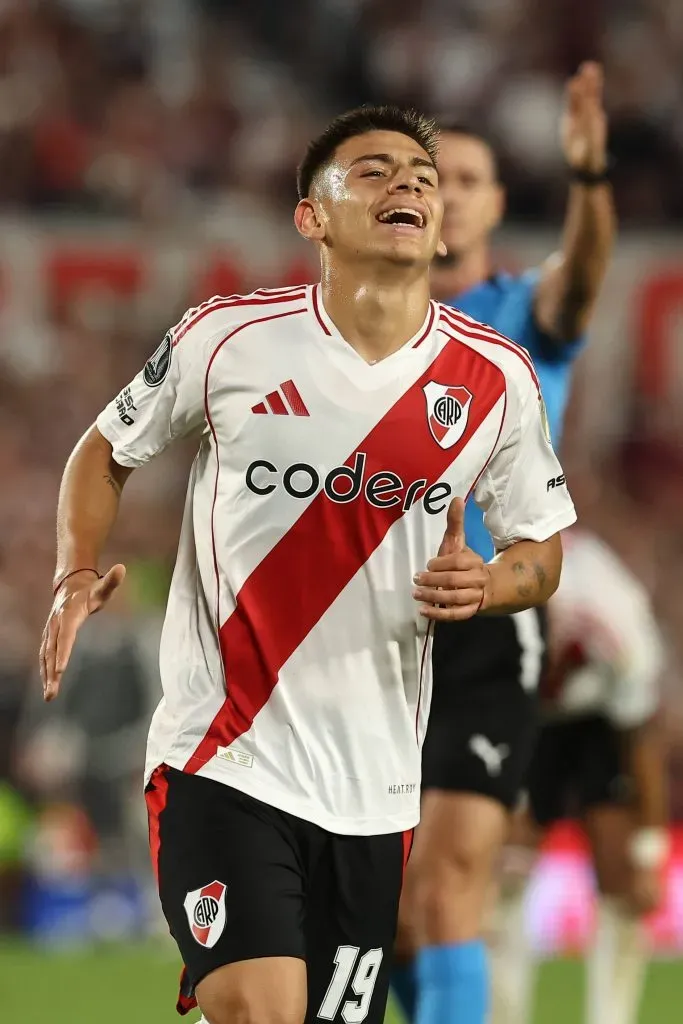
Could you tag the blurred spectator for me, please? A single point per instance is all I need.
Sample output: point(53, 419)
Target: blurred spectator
point(142, 109)
point(87, 749)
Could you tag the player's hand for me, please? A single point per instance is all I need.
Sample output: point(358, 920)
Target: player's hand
point(456, 582)
point(584, 122)
point(79, 596)
point(646, 890)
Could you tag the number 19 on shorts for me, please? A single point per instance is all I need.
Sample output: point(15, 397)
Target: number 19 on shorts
point(362, 974)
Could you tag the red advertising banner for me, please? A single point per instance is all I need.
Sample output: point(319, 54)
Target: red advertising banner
point(561, 897)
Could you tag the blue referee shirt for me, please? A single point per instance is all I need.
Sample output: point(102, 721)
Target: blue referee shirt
point(506, 303)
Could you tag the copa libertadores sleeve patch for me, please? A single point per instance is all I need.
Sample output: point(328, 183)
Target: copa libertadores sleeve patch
point(158, 365)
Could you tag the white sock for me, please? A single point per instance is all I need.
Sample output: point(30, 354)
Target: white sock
point(615, 967)
point(513, 962)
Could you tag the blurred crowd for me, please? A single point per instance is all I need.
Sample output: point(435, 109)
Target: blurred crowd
point(77, 763)
point(165, 112)
point(150, 108)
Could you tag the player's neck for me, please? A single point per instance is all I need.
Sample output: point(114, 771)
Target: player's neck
point(377, 316)
point(453, 278)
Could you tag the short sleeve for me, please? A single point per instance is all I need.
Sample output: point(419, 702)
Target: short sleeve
point(523, 491)
point(164, 401)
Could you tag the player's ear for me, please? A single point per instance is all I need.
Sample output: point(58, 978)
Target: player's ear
point(307, 221)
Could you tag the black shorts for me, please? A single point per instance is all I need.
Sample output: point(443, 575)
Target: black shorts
point(577, 764)
point(483, 717)
point(239, 880)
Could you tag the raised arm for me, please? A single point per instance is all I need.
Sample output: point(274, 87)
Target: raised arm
point(571, 279)
point(87, 509)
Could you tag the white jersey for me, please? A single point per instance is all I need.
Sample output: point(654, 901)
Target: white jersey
point(294, 663)
point(603, 627)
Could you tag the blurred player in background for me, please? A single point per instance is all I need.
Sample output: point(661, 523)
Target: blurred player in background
point(339, 425)
point(486, 672)
point(598, 755)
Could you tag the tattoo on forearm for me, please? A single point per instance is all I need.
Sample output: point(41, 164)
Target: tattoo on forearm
point(525, 589)
point(540, 574)
point(531, 579)
point(113, 484)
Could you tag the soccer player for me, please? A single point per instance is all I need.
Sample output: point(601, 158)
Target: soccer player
point(598, 753)
point(486, 671)
point(339, 427)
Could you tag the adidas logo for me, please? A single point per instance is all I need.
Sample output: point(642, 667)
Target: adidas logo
point(285, 401)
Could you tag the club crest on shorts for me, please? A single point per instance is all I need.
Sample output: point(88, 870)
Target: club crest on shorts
point(448, 410)
point(205, 909)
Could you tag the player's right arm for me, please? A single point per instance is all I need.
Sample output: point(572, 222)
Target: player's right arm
point(164, 401)
point(88, 506)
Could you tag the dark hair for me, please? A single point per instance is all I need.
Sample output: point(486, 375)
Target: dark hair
point(447, 127)
point(357, 122)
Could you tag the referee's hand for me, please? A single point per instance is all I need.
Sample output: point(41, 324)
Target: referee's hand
point(583, 127)
point(454, 587)
point(79, 596)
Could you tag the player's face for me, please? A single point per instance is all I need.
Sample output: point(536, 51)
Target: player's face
point(379, 198)
point(472, 196)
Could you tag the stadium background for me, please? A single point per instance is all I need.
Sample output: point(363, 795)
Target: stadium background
point(147, 155)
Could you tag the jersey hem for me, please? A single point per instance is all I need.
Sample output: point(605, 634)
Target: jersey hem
point(549, 527)
point(303, 809)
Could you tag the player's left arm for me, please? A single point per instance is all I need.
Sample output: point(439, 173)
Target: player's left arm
point(459, 584)
point(524, 575)
point(571, 279)
point(524, 496)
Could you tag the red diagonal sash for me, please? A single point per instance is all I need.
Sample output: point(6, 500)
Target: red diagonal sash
point(302, 575)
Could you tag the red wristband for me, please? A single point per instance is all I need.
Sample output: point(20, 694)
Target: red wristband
point(73, 573)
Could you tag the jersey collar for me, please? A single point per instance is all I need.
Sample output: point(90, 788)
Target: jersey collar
point(327, 328)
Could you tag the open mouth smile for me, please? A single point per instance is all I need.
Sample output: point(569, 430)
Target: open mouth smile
point(402, 218)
